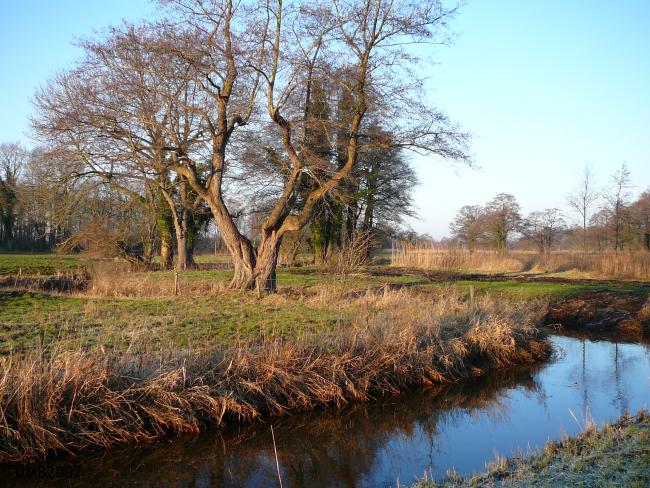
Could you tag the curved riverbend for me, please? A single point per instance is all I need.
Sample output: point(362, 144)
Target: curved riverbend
point(460, 426)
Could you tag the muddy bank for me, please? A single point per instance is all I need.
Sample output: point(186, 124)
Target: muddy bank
point(627, 313)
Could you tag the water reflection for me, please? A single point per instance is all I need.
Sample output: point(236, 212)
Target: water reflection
point(398, 439)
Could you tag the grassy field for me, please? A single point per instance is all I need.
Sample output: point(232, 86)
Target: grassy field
point(131, 356)
point(39, 264)
point(62, 398)
point(119, 307)
point(126, 358)
point(616, 454)
point(29, 319)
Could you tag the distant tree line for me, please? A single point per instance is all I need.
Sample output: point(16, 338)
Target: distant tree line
point(609, 219)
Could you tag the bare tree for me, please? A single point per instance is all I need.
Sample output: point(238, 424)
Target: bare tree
point(618, 199)
point(583, 200)
point(468, 226)
point(124, 116)
point(599, 227)
point(502, 218)
point(172, 108)
point(543, 228)
point(360, 47)
point(640, 213)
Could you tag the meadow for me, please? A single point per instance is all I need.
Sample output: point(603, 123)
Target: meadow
point(128, 356)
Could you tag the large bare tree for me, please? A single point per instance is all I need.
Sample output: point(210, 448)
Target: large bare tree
point(358, 51)
point(218, 102)
point(123, 116)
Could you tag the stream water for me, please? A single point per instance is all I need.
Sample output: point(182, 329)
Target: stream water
point(398, 439)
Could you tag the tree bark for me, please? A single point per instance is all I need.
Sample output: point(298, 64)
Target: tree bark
point(166, 251)
point(267, 261)
point(184, 259)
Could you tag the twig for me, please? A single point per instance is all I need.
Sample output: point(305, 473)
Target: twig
point(277, 463)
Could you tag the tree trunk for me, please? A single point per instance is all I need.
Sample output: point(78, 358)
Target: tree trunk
point(255, 269)
point(149, 246)
point(166, 251)
point(184, 259)
point(243, 259)
point(181, 250)
point(164, 221)
point(190, 235)
point(267, 262)
point(321, 233)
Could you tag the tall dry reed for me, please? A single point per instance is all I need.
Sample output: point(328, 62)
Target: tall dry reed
point(54, 401)
point(624, 265)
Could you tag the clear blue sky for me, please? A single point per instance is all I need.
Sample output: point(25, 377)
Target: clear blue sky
point(544, 86)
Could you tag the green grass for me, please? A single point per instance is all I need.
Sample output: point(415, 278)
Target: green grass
point(303, 277)
point(613, 455)
point(210, 258)
point(43, 264)
point(29, 319)
point(518, 290)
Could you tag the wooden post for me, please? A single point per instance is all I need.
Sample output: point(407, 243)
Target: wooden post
point(471, 296)
point(176, 282)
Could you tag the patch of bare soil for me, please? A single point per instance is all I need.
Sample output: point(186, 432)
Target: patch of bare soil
point(628, 313)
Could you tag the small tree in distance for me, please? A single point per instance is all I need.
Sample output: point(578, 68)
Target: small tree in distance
point(467, 226)
point(583, 200)
point(13, 158)
point(543, 228)
point(502, 219)
point(618, 199)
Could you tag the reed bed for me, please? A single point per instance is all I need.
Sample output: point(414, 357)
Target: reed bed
point(621, 265)
point(56, 400)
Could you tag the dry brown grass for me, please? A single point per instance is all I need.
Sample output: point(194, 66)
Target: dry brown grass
point(622, 265)
point(61, 401)
point(114, 279)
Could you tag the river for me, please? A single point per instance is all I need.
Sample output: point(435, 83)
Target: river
point(461, 426)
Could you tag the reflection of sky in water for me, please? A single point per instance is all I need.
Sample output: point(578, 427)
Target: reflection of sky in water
point(400, 438)
point(599, 379)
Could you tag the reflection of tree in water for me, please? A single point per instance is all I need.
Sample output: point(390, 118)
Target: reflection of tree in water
point(617, 363)
point(326, 448)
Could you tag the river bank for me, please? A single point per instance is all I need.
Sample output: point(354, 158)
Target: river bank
point(56, 401)
point(616, 454)
point(390, 441)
